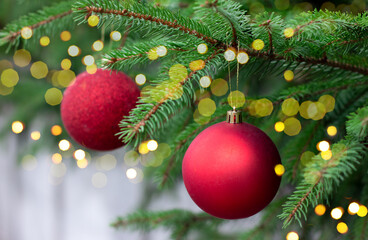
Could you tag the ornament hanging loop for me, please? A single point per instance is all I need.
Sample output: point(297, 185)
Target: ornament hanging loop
point(234, 116)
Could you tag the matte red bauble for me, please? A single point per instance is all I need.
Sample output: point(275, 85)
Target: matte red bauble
point(93, 106)
point(228, 170)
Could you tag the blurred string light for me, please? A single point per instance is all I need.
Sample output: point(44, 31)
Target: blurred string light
point(65, 36)
point(53, 96)
point(337, 213)
point(134, 175)
point(288, 32)
point(26, 32)
point(292, 236)
point(292, 126)
point(206, 107)
point(79, 154)
point(64, 77)
point(35, 135)
point(331, 131)
point(44, 41)
point(74, 51)
point(342, 228)
point(64, 145)
point(258, 44)
point(83, 163)
point(97, 45)
point(236, 99)
point(91, 69)
point(131, 158)
point(143, 148)
point(219, 87)
point(28, 162)
point(230, 54)
point(328, 101)
point(161, 51)
point(93, 20)
point(197, 65)
point(39, 70)
point(326, 155)
point(279, 126)
point(178, 72)
point(140, 79)
point(306, 157)
point(242, 57)
point(9, 78)
point(115, 36)
point(17, 127)
point(131, 173)
point(320, 209)
point(279, 170)
point(205, 81)
point(289, 75)
point(362, 212)
point(56, 158)
point(200, 119)
point(88, 60)
point(152, 145)
point(106, 162)
point(263, 107)
point(22, 58)
point(323, 146)
point(58, 170)
point(353, 208)
point(99, 180)
point(66, 64)
point(202, 48)
point(152, 54)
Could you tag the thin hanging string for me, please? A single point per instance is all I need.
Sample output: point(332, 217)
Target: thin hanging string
point(237, 71)
point(231, 99)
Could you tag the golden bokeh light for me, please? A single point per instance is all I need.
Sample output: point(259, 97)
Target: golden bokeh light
point(219, 87)
point(88, 60)
point(288, 32)
point(39, 70)
point(362, 212)
point(115, 36)
point(337, 213)
point(292, 236)
point(230, 54)
point(331, 131)
point(83, 163)
point(206, 107)
point(292, 126)
point(197, 65)
point(79, 154)
point(44, 41)
point(320, 209)
point(258, 44)
point(279, 170)
point(22, 58)
point(289, 75)
point(353, 208)
point(57, 158)
point(263, 107)
point(205, 81)
point(93, 20)
point(328, 101)
point(35, 135)
point(202, 48)
point(17, 127)
point(242, 57)
point(143, 148)
point(26, 32)
point(161, 51)
point(140, 79)
point(152, 145)
point(131, 173)
point(200, 119)
point(65, 36)
point(131, 158)
point(66, 64)
point(326, 155)
point(9, 78)
point(282, 4)
point(91, 69)
point(279, 126)
point(5, 64)
point(290, 107)
point(74, 51)
point(236, 99)
point(323, 146)
point(152, 54)
point(99, 180)
point(28, 162)
point(342, 228)
point(178, 72)
point(97, 46)
point(53, 96)
point(107, 162)
point(64, 145)
point(303, 109)
point(306, 157)
point(4, 91)
point(65, 77)
point(316, 111)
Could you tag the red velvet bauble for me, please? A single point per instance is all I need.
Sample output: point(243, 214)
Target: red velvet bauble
point(228, 170)
point(93, 106)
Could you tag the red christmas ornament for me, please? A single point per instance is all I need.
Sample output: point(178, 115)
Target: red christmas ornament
point(93, 106)
point(228, 169)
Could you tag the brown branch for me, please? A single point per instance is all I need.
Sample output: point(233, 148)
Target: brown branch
point(126, 33)
point(14, 35)
point(169, 24)
point(267, 25)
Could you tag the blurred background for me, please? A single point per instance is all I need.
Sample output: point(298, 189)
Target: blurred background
point(52, 188)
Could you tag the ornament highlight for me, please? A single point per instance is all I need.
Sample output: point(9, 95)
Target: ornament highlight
point(229, 169)
point(94, 105)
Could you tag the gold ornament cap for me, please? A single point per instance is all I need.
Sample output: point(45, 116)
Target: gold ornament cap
point(234, 116)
